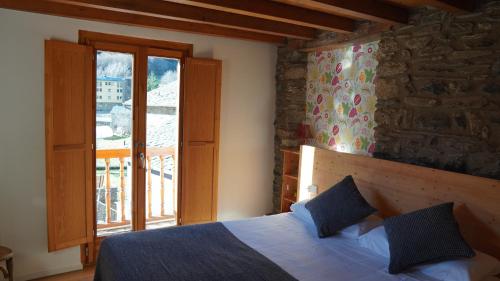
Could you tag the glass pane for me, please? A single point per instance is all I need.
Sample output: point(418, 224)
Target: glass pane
point(114, 72)
point(161, 139)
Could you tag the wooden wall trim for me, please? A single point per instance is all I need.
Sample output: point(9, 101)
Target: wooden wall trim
point(90, 37)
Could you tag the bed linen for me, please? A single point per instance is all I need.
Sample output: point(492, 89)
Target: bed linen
point(283, 239)
point(197, 252)
point(296, 248)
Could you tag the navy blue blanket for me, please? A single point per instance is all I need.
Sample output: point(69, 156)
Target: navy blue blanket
point(207, 252)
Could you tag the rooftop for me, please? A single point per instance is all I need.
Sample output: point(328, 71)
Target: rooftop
point(106, 78)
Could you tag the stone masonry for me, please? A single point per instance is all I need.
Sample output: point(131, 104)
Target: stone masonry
point(290, 105)
point(438, 90)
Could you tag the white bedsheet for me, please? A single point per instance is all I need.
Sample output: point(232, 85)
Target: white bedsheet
point(285, 240)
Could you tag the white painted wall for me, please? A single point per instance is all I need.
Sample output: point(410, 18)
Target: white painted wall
point(246, 143)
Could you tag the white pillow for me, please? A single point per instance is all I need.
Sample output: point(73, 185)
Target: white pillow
point(354, 231)
point(473, 269)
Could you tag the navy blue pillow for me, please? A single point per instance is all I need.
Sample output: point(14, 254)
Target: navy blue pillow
point(425, 236)
point(339, 207)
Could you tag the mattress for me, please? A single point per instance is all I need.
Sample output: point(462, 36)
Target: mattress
point(295, 247)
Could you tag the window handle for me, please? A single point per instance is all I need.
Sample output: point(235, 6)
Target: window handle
point(142, 160)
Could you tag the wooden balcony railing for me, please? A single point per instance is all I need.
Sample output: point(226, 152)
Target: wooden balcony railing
point(105, 181)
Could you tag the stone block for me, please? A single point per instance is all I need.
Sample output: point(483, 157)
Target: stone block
point(387, 69)
point(477, 126)
point(428, 29)
point(479, 40)
point(386, 88)
point(434, 49)
point(417, 43)
point(485, 164)
point(495, 69)
point(493, 135)
point(436, 121)
point(483, 26)
point(492, 88)
point(469, 54)
point(459, 121)
point(421, 101)
point(388, 46)
point(295, 73)
point(441, 86)
point(468, 102)
point(460, 28)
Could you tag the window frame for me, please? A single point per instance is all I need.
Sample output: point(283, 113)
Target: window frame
point(141, 49)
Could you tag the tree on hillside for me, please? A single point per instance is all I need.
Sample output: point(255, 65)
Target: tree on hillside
point(153, 81)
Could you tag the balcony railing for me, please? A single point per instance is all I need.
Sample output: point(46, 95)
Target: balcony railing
point(104, 181)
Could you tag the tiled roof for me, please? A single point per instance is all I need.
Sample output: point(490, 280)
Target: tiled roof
point(166, 95)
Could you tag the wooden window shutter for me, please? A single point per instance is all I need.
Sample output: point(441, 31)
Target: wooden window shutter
point(202, 86)
point(68, 132)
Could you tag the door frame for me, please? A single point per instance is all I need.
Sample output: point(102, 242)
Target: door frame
point(141, 49)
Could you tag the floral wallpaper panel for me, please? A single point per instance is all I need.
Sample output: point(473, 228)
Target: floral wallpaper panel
point(341, 98)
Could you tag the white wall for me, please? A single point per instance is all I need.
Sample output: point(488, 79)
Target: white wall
point(246, 142)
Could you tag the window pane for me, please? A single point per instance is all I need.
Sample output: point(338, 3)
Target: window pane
point(161, 139)
point(113, 142)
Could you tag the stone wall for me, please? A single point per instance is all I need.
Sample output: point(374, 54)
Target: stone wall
point(438, 91)
point(290, 105)
point(291, 70)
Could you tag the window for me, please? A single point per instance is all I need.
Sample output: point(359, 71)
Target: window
point(73, 219)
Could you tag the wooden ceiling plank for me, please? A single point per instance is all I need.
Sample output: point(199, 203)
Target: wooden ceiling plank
point(371, 10)
point(184, 12)
point(270, 10)
point(88, 13)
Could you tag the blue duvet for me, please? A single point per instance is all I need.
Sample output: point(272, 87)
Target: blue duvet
point(207, 252)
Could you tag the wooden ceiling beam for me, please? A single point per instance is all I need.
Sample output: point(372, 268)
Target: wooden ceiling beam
point(89, 13)
point(372, 10)
point(270, 10)
point(160, 8)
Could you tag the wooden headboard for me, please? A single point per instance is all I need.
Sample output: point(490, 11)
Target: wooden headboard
point(395, 188)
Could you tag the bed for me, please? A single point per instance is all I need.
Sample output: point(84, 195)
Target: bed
point(283, 239)
point(283, 247)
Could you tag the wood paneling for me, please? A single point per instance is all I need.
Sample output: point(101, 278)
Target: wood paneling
point(201, 102)
point(277, 11)
point(376, 11)
point(160, 8)
point(197, 192)
point(68, 127)
point(120, 17)
point(201, 110)
point(172, 49)
point(395, 188)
